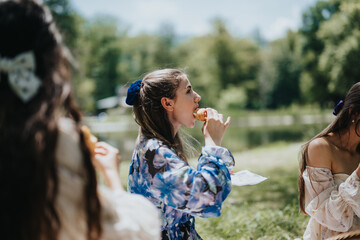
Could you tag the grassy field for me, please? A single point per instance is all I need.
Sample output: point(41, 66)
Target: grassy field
point(268, 210)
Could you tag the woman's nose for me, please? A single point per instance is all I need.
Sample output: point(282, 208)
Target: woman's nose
point(197, 97)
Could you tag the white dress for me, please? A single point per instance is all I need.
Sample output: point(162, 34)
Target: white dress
point(332, 201)
point(124, 215)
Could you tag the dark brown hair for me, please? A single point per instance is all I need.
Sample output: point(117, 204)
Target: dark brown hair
point(151, 115)
point(29, 131)
point(341, 122)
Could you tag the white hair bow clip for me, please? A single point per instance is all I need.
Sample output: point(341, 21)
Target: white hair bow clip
point(21, 75)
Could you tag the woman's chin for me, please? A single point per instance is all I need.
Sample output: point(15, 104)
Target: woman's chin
point(192, 125)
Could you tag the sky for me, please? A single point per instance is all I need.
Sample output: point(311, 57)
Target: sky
point(193, 17)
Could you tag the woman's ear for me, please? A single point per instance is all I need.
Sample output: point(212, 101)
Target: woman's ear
point(168, 104)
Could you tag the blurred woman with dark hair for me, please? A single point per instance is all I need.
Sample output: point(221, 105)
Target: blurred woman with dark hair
point(329, 183)
point(47, 179)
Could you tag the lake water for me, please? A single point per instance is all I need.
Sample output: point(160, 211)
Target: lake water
point(242, 134)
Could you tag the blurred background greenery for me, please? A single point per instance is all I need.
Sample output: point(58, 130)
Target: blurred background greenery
point(315, 64)
point(279, 94)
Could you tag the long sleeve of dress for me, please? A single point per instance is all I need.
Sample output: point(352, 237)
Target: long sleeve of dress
point(333, 203)
point(198, 192)
point(128, 216)
point(124, 215)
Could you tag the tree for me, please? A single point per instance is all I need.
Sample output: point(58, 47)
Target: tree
point(137, 56)
point(194, 56)
point(104, 53)
point(66, 20)
point(314, 82)
point(248, 56)
point(164, 45)
point(281, 74)
point(228, 68)
point(341, 55)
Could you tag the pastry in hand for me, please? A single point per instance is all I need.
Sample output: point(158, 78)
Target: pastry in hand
point(89, 138)
point(200, 114)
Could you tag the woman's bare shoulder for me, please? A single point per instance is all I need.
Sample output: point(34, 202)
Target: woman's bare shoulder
point(320, 153)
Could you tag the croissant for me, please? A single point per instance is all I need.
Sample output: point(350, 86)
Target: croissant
point(89, 138)
point(200, 114)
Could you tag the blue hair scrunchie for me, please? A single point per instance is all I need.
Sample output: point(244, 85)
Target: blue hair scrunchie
point(338, 107)
point(132, 92)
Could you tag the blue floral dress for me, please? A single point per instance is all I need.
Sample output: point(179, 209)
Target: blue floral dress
point(179, 191)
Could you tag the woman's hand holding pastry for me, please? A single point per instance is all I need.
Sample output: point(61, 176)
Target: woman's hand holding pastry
point(214, 127)
point(106, 157)
point(107, 161)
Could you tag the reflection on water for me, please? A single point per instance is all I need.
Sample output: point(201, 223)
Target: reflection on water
point(237, 138)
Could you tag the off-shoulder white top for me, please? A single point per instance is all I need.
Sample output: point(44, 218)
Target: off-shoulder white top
point(332, 201)
point(124, 215)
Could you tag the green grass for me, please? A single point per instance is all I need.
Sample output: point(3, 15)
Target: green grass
point(268, 210)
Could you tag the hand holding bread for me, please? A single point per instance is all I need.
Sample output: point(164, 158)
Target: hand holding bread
point(214, 127)
point(106, 158)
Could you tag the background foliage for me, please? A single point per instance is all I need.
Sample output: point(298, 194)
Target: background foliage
point(315, 64)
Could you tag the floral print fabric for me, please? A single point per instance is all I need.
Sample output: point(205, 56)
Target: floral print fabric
point(332, 201)
point(179, 191)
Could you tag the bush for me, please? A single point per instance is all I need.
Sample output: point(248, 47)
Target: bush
point(232, 98)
